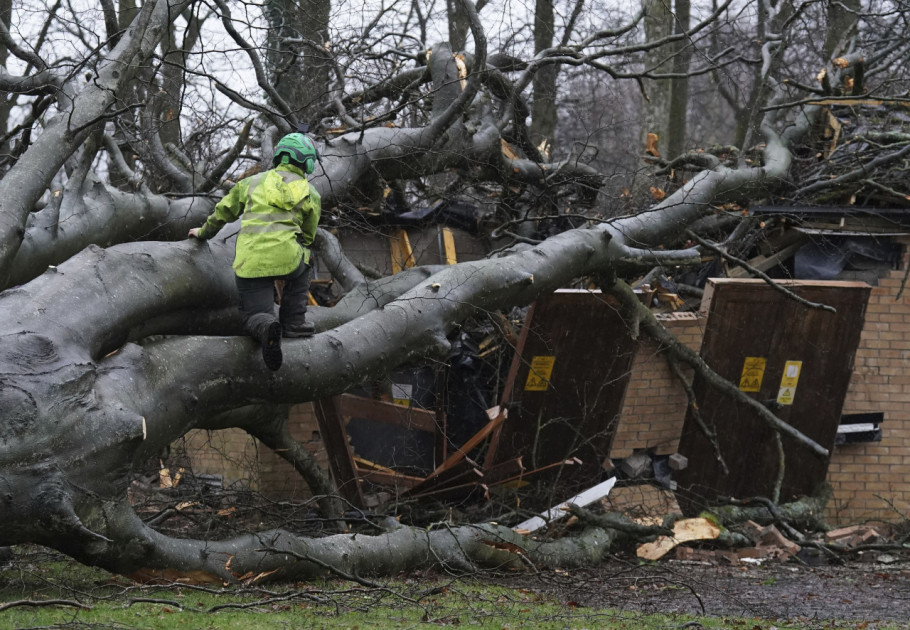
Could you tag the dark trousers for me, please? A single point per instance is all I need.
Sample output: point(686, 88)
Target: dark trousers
point(257, 300)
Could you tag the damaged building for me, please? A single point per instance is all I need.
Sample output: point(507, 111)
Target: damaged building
point(564, 391)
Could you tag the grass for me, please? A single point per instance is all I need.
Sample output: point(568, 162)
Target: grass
point(109, 601)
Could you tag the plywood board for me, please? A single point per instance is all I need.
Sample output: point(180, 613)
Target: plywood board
point(569, 383)
point(796, 360)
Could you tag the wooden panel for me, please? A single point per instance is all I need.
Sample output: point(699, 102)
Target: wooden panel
point(388, 413)
point(448, 246)
point(402, 256)
point(341, 460)
point(748, 318)
point(506, 397)
point(578, 353)
point(390, 479)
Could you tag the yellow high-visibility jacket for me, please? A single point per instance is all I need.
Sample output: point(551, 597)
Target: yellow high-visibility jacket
point(278, 213)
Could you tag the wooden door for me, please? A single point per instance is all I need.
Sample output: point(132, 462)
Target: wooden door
point(754, 335)
point(570, 382)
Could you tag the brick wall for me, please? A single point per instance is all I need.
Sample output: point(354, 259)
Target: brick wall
point(231, 453)
point(872, 480)
point(655, 405)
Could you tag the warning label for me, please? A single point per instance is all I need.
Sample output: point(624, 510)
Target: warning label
point(785, 395)
point(539, 375)
point(753, 372)
point(788, 382)
point(401, 393)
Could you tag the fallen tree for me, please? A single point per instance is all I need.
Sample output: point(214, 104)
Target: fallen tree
point(110, 354)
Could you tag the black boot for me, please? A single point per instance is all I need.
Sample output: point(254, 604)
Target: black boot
point(271, 346)
point(302, 329)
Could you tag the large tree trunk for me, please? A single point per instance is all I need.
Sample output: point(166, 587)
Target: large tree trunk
point(679, 86)
point(6, 100)
point(300, 63)
point(655, 107)
point(543, 105)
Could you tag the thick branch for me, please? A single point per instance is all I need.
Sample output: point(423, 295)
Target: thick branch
point(292, 557)
point(24, 184)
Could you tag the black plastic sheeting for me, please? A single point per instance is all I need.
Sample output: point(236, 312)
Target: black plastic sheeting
point(826, 258)
point(469, 390)
point(454, 214)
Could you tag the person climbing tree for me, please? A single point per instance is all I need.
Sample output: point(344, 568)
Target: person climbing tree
point(279, 212)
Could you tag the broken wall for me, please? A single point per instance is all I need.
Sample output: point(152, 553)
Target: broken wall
point(655, 406)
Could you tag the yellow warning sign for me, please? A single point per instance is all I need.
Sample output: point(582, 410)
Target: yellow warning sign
point(539, 376)
point(788, 382)
point(753, 372)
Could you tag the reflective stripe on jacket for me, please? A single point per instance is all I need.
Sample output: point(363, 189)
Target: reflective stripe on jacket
point(278, 216)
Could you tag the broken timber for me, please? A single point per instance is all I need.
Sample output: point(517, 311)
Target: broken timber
point(547, 361)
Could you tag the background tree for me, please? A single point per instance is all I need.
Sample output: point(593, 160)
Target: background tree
point(299, 58)
point(108, 315)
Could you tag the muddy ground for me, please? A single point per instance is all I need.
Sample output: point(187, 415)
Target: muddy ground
point(862, 595)
point(856, 591)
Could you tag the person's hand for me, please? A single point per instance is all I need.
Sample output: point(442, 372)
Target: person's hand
point(194, 233)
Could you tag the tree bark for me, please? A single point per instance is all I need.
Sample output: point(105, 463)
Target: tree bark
point(24, 184)
point(299, 60)
point(679, 86)
point(656, 95)
point(543, 103)
point(6, 100)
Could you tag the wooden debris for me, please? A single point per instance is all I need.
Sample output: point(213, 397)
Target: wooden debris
point(391, 478)
point(507, 150)
point(746, 555)
point(558, 511)
point(651, 144)
point(462, 472)
point(684, 530)
point(400, 250)
point(386, 412)
point(497, 415)
point(528, 473)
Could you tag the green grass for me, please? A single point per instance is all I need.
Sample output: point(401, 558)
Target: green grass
point(408, 602)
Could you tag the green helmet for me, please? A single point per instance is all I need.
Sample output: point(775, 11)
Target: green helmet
point(296, 149)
